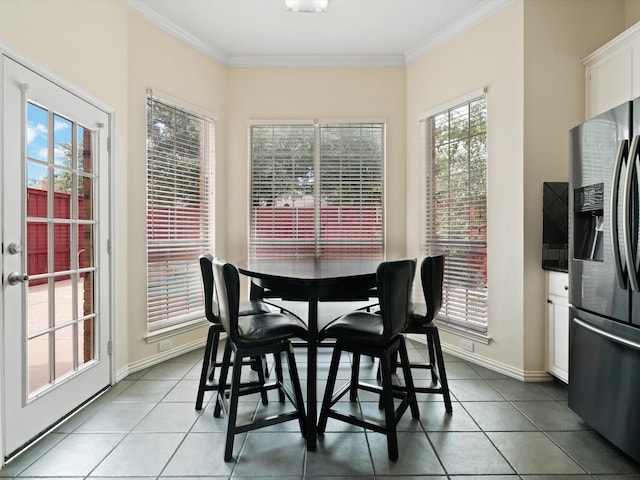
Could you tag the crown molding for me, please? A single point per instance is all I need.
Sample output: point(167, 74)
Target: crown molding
point(317, 61)
point(482, 12)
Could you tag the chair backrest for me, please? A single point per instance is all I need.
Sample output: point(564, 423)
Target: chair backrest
point(431, 275)
point(209, 287)
point(395, 280)
point(227, 281)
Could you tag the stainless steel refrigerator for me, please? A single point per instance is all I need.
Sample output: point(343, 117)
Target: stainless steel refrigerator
point(604, 350)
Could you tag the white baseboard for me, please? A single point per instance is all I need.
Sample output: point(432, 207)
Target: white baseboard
point(159, 358)
point(491, 364)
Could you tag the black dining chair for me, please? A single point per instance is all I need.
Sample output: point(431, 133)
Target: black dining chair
point(378, 335)
point(421, 318)
point(210, 363)
point(252, 336)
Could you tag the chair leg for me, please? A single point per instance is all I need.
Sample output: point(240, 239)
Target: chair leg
point(222, 381)
point(328, 393)
point(260, 371)
point(387, 402)
point(408, 378)
point(279, 376)
point(297, 389)
point(355, 375)
point(233, 408)
point(209, 359)
point(444, 384)
point(432, 357)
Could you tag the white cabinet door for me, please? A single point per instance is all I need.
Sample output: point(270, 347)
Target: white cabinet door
point(613, 73)
point(558, 325)
point(610, 82)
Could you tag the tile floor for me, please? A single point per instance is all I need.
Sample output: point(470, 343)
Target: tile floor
point(501, 429)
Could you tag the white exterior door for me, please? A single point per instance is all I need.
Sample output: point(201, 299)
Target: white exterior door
point(55, 253)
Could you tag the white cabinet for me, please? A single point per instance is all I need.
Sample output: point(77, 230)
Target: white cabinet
point(613, 72)
point(558, 324)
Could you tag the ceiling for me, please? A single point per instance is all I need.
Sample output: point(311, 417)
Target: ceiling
point(254, 33)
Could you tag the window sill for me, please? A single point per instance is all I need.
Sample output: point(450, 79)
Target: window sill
point(174, 330)
point(463, 332)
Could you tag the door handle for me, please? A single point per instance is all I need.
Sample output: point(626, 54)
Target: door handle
point(14, 248)
point(627, 221)
point(15, 278)
point(610, 336)
point(622, 153)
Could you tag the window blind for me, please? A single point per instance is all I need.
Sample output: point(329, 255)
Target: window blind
point(317, 191)
point(455, 221)
point(179, 211)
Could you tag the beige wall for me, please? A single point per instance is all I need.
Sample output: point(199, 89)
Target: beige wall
point(307, 94)
point(631, 12)
point(558, 34)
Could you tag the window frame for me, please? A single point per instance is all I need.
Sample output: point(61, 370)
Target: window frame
point(163, 318)
point(475, 329)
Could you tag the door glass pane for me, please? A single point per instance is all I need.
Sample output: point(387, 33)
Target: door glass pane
point(38, 352)
point(62, 130)
point(64, 351)
point(63, 184)
point(85, 198)
point(37, 251)
point(37, 132)
point(85, 153)
point(38, 314)
point(37, 178)
point(61, 247)
point(85, 245)
point(85, 294)
point(64, 311)
point(85, 341)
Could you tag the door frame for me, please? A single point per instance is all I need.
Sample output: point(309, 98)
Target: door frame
point(6, 51)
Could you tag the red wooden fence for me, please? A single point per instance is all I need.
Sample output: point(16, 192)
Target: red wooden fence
point(37, 234)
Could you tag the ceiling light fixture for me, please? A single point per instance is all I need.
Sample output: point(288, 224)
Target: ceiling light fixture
point(307, 6)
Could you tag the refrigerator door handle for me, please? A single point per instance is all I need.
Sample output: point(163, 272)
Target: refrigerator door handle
point(610, 336)
point(627, 209)
point(623, 152)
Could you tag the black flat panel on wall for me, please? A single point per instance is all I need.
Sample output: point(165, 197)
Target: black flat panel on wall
point(555, 225)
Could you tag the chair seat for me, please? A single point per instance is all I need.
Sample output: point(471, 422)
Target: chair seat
point(362, 327)
point(269, 328)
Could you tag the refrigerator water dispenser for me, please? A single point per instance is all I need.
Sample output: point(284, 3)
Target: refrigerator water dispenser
point(589, 222)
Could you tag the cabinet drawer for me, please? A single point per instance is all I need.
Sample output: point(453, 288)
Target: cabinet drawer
point(559, 284)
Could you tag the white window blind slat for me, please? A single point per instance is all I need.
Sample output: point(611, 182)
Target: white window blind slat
point(179, 211)
point(454, 143)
